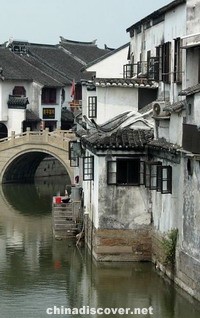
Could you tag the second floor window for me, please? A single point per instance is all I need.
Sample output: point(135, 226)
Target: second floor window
point(48, 95)
point(92, 106)
point(177, 61)
point(165, 59)
point(19, 91)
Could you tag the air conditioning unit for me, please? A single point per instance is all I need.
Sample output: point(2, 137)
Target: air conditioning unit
point(158, 109)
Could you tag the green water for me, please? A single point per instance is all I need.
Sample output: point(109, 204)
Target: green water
point(38, 272)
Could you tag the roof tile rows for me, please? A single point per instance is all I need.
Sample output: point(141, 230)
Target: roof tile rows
point(50, 65)
point(122, 139)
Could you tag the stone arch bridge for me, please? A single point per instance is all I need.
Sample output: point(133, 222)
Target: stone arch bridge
point(20, 155)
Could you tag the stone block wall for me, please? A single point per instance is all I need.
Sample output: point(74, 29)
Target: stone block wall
point(117, 244)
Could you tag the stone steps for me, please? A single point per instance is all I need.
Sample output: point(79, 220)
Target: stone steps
point(63, 222)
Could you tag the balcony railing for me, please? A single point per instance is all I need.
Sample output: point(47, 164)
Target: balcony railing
point(143, 69)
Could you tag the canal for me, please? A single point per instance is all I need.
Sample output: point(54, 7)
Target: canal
point(40, 275)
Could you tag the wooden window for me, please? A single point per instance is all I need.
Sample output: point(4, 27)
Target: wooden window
point(19, 91)
point(177, 61)
point(158, 177)
point(123, 171)
point(92, 106)
point(73, 154)
point(111, 172)
point(88, 168)
point(164, 179)
point(142, 172)
point(48, 95)
point(166, 54)
point(153, 68)
point(151, 174)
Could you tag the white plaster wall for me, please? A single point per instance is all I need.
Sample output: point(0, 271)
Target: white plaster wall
point(172, 27)
point(57, 107)
point(197, 109)
point(175, 128)
point(68, 97)
point(116, 206)
point(7, 116)
point(35, 98)
point(167, 208)
point(121, 207)
point(84, 100)
point(191, 208)
point(163, 129)
point(193, 16)
point(112, 101)
point(16, 117)
point(111, 66)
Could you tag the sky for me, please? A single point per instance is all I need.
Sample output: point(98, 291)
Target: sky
point(44, 21)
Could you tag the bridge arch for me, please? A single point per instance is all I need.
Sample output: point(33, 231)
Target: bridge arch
point(22, 166)
point(21, 156)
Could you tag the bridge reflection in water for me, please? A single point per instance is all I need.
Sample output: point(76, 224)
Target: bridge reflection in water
point(37, 272)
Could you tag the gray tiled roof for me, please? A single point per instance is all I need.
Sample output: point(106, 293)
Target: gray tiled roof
point(122, 139)
point(17, 101)
point(57, 59)
point(14, 67)
point(190, 90)
point(85, 51)
point(176, 107)
point(125, 82)
point(46, 69)
point(163, 144)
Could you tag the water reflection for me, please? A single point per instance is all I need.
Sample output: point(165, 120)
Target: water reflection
point(37, 271)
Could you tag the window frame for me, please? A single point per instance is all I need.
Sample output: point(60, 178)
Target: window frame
point(113, 166)
point(167, 179)
point(19, 91)
point(92, 106)
point(153, 68)
point(166, 59)
point(150, 175)
point(177, 61)
point(49, 95)
point(88, 168)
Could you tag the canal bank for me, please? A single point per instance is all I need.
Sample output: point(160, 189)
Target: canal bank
point(38, 272)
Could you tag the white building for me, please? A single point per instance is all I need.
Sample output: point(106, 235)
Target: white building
point(164, 53)
point(109, 92)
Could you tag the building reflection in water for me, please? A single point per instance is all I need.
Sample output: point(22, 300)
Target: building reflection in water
point(37, 271)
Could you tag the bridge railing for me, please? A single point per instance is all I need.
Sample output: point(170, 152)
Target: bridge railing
point(58, 138)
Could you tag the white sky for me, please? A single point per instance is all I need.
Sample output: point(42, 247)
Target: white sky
point(43, 21)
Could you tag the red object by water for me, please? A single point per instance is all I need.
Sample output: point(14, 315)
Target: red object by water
point(58, 200)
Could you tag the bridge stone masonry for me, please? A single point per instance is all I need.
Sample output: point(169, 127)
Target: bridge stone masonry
point(20, 155)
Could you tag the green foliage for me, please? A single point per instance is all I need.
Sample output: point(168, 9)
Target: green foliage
point(169, 246)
